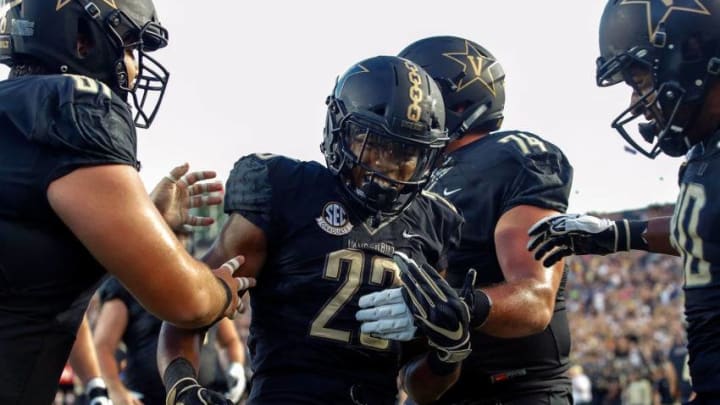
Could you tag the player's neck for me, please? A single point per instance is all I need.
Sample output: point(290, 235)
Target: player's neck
point(462, 141)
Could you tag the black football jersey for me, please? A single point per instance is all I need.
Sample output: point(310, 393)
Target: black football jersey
point(304, 340)
point(485, 179)
point(693, 235)
point(140, 338)
point(49, 126)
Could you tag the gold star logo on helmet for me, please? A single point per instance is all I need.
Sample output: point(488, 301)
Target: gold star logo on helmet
point(480, 68)
point(63, 3)
point(665, 8)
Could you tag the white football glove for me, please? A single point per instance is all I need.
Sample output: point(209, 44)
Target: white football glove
point(385, 315)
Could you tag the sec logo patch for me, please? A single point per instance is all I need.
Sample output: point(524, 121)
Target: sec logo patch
point(334, 219)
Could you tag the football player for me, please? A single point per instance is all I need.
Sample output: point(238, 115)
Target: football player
point(318, 237)
point(72, 204)
point(669, 56)
point(502, 183)
point(122, 319)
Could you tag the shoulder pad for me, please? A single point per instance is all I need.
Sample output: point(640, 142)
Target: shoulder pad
point(544, 176)
point(79, 114)
point(248, 186)
point(524, 143)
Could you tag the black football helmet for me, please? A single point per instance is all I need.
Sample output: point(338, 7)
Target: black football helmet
point(471, 80)
point(677, 45)
point(47, 31)
point(386, 104)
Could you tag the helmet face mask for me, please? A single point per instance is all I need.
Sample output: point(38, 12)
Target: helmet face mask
point(148, 88)
point(111, 27)
point(471, 80)
point(382, 141)
point(677, 49)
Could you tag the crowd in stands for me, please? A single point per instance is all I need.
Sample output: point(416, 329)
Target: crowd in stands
point(626, 317)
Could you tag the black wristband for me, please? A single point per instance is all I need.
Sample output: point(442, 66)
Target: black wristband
point(439, 367)
point(177, 370)
point(638, 235)
point(480, 311)
point(631, 235)
point(228, 301)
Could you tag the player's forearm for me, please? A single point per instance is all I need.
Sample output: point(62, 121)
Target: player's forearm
point(425, 381)
point(658, 236)
point(109, 370)
point(520, 308)
point(82, 357)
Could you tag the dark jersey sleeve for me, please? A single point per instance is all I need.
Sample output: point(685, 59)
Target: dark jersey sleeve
point(448, 223)
point(452, 230)
point(111, 289)
point(249, 191)
point(82, 118)
point(544, 177)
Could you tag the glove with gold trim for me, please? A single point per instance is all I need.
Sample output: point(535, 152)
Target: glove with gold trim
point(439, 312)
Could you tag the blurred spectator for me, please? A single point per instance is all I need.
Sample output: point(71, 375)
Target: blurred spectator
point(581, 385)
point(638, 391)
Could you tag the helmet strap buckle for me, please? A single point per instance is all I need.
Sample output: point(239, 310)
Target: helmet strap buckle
point(92, 10)
point(659, 39)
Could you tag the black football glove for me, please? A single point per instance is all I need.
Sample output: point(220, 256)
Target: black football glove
point(577, 234)
point(478, 302)
point(187, 391)
point(440, 314)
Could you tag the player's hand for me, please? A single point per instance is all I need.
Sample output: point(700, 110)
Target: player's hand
point(385, 315)
point(440, 314)
point(97, 393)
point(187, 391)
point(236, 382)
point(563, 235)
point(176, 193)
point(226, 273)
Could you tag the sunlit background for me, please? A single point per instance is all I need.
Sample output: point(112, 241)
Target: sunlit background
point(253, 76)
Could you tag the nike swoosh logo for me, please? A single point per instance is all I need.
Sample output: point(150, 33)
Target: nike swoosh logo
point(448, 193)
point(453, 335)
point(408, 235)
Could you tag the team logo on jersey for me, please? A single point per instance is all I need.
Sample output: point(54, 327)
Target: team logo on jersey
point(334, 219)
